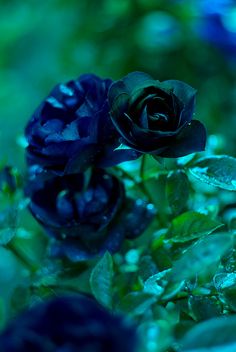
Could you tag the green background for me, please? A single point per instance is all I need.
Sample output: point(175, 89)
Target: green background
point(44, 43)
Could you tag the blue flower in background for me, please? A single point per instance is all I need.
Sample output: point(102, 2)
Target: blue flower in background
point(156, 117)
point(87, 214)
point(68, 324)
point(217, 24)
point(214, 6)
point(71, 130)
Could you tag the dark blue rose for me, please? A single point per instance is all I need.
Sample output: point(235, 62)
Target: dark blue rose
point(156, 117)
point(87, 214)
point(69, 324)
point(71, 130)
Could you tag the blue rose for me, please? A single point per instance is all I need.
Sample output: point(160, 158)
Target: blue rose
point(71, 130)
point(218, 28)
point(87, 214)
point(156, 117)
point(69, 324)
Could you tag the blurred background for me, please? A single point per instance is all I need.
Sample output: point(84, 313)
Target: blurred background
point(44, 43)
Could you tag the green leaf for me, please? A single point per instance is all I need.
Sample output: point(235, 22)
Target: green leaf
point(147, 267)
point(101, 280)
point(160, 286)
point(177, 191)
point(224, 280)
point(172, 289)
point(219, 171)
point(160, 160)
point(155, 284)
point(191, 225)
point(229, 297)
point(136, 303)
point(215, 335)
point(203, 308)
point(6, 235)
point(20, 298)
point(225, 283)
point(199, 257)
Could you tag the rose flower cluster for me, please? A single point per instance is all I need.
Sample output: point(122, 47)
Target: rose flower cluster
point(79, 131)
point(82, 128)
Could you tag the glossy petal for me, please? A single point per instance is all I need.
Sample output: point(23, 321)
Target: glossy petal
point(114, 157)
point(140, 139)
point(127, 85)
point(186, 94)
point(134, 79)
point(116, 89)
point(119, 106)
point(190, 140)
point(82, 159)
point(64, 157)
point(142, 92)
point(64, 93)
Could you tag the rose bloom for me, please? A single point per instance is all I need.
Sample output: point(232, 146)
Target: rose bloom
point(71, 129)
point(156, 117)
point(68, 324)
point(87, 214)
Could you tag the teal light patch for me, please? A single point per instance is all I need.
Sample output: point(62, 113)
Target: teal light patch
point(158, 30)
point(229, 20)
point(132, 256)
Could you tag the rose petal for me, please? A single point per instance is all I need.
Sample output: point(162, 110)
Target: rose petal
point(82, 158)
point(191, 139)
point(113, 157)
point(120, 105)
point(66, 94)
point(127, 85)
point(148, 90)
point(64, 157)
point(116, 89)
point(134, 79)
point(142, 139)
point(186, 94)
